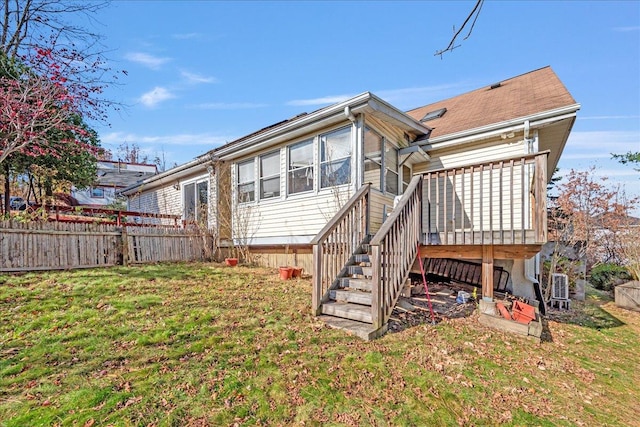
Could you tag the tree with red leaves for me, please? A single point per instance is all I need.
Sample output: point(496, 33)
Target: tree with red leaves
point(50, 74)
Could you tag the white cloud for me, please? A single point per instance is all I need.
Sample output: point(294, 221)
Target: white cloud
point(414, 97)
point(607, 117)
point(153, 62)
point(320, 101)
point(197, 78)
point(228, 106)
point(626, 29)
point(155, 96)
point(184, 139)
point(603, 141)
point(186, 36)
point(411, 97)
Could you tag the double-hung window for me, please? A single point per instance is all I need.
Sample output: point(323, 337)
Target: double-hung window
point(300, 167)
point(335, 158)
point(246, 182)
point(270, 175)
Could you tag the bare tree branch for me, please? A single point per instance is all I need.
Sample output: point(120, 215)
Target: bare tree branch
point(476, 11)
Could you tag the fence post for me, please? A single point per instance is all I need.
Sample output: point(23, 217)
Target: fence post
point(125, 246)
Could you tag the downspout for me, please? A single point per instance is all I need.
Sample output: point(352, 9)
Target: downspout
point(349, 114)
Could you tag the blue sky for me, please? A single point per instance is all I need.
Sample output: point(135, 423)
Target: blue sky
point(204, 73)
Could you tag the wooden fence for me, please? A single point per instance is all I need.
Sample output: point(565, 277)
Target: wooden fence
point(35, 246)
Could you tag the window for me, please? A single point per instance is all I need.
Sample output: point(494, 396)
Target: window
point(97, 193)
point(300, 167)
point(335, 158)
point(246, 182)
point(391, 169)
point(406, 177)
point(195, 197)
point(372, 158)
point(270, 175)
point(433, 115)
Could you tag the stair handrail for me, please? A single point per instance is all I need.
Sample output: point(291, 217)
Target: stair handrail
point(393, 251)
point(336, 243)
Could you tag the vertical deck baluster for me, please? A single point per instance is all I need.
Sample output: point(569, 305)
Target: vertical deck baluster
point(500, 203)
point(522, 201)
point(491, 203)
point(481, 204)
point(511, 224)
point(445, 217)
point(453, 205)
point(463, 207)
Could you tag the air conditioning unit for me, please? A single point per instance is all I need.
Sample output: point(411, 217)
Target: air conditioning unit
point(559, 286)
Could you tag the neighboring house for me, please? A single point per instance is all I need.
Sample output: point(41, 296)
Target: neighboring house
point(111, 177)
point(472, 172)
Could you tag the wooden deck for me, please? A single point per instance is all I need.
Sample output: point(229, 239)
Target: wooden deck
point(488, 211)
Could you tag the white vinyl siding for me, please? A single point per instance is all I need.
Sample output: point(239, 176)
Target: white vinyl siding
point(294, 218)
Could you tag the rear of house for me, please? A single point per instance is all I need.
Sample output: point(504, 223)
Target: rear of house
point(462, 178)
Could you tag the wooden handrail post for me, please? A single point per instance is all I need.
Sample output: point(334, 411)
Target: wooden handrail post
point(376, 287)
point(316, 298)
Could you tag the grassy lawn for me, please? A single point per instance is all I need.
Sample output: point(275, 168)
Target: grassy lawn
point(204, 344)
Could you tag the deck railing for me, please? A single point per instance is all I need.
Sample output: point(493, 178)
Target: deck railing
point(501, 202)
point(337, 241)
point(393, 251)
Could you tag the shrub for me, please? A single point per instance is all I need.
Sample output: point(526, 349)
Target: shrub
point(607, 276)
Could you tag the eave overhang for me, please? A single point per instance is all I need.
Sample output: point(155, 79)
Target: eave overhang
point(365, 103)
point(171, 176)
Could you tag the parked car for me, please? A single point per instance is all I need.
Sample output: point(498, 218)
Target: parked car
point(17, 203)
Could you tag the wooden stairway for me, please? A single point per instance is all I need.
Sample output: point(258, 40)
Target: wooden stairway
point(349, 305)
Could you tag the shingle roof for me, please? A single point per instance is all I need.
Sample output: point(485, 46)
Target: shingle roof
point(536, 91)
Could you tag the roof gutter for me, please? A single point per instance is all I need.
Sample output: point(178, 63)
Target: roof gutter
point(495, 129)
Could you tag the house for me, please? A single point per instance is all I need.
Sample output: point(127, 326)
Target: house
point(183, 190)
point(112, 176)
point(363, 189)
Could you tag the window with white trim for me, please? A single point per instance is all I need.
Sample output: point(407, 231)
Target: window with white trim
point(195, 200)
point(406, 177)
point(246, 184)
point(270, 175)
point(390, 169)
point(335, 158)
point(300, 167)
point(373, 158)
point(97, 193)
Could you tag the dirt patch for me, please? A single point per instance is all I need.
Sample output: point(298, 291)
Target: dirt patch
point(443, 301)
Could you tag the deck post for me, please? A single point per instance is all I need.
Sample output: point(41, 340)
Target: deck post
point(376, 287)
point(316, 297)
point(487, 272)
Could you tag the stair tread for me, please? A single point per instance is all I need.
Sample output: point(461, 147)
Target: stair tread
point(365, 331)
point(352, 295)
point(348, 310)
point(356, 283)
